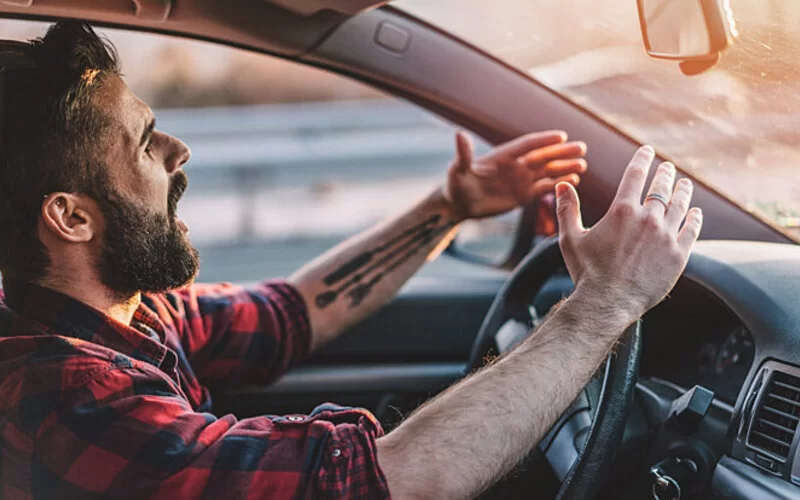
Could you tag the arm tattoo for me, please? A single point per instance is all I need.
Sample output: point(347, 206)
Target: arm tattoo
point(357, 277)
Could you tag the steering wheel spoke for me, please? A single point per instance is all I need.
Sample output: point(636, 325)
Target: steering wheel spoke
point(510, 335)
point(565, 448)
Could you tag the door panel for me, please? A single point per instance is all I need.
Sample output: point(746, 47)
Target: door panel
point(390, 391)
point(407, 352)
point(431, 320)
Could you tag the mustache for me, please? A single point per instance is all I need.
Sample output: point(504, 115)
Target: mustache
point(178, 185)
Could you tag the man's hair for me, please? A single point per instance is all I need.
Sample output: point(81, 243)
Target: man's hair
point(50, 133)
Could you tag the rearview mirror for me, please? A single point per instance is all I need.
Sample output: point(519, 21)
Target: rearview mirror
point(687, 30)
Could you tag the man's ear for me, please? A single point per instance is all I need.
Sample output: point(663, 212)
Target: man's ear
point(70, 217)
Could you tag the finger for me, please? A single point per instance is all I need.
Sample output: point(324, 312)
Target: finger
point(528, 142)
point(632, 183)
point(555, 152)
point(679, 205)
point(463, 151)
point(661, 187)
point(558, 168)
point(547, 185)
point(691, 230)
point(568, 210)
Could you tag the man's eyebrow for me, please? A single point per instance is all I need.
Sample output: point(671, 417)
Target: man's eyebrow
point(148, 130)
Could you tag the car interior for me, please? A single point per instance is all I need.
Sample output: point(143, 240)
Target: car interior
point(701, 398)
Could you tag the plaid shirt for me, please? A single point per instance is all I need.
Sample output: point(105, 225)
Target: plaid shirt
point(91, 408)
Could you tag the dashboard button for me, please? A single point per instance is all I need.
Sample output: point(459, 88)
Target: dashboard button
point(393, 37)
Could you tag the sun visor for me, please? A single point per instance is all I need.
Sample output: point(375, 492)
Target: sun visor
point(156, 11)
point(309, 7)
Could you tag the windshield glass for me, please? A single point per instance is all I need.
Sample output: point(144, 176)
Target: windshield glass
point(736, 126)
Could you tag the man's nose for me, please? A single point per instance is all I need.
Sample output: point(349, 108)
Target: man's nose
point(180, 154)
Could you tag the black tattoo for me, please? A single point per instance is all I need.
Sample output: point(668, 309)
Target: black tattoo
point(360, 274)
point(360, 260)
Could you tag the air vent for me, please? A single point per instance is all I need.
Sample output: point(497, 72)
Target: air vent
point(777, 416)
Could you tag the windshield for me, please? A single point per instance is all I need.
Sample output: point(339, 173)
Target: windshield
point(736, 126)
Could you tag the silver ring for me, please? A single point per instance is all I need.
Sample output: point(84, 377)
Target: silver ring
point(659, 198)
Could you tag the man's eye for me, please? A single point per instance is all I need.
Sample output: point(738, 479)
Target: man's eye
point(148, 148)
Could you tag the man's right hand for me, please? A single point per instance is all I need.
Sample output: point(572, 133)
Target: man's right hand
point(634, 255)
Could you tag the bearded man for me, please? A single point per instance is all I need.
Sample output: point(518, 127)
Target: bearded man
point(107, 345)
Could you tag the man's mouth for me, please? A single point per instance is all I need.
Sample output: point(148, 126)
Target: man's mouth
point(177, 187)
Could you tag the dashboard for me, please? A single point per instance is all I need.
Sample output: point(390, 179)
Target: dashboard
point(692, 338)
point(732, 325)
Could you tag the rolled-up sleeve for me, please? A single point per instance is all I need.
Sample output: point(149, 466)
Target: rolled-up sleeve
point(235, 335)
point(129, 434)
point(350, 468)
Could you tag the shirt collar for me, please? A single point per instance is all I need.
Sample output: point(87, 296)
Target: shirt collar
point(58, 314)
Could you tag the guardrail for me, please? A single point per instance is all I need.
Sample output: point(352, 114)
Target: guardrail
point(253, 169)
point(289, 145)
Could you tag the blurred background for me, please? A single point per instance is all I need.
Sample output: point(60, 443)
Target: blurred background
point(288, 160)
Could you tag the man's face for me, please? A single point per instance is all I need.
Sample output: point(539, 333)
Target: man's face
point(145, 247)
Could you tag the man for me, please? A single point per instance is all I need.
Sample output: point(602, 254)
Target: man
point(105, 348)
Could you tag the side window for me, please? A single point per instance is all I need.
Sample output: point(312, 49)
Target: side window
point(287, 160)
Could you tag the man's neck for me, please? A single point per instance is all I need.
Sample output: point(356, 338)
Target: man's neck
point(95, 295)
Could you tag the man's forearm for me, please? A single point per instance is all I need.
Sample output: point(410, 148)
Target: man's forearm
point(471, 435)
point(352, 280)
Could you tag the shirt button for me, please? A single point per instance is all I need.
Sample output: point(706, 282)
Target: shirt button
point(336, 452)
point(295, 418)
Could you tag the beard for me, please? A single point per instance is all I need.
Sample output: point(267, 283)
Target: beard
point(142, 250)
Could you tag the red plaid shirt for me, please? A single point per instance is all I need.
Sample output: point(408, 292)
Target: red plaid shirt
point(91, 408)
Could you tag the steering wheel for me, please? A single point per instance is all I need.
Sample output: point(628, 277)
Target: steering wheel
point(582, 444)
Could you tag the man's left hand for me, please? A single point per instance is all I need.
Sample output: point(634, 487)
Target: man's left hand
point(512, 174)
